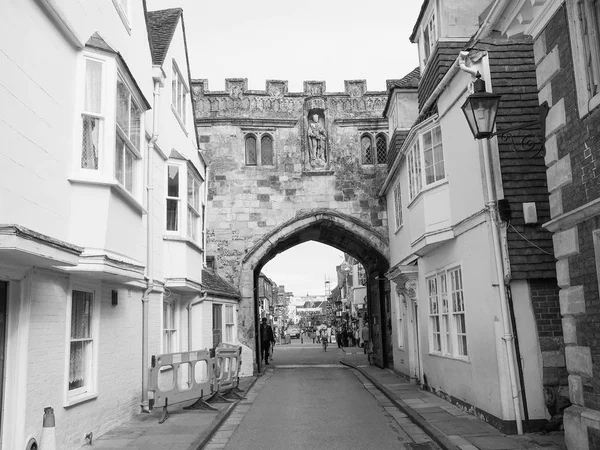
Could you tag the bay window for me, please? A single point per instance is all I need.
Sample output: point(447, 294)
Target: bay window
point(111, 115)
point(425, 161)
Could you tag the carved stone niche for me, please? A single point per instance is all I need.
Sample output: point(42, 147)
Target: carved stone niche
point(355, 88)
point(405, 278)
point(315, 135)
point(236, 87)
point(277, 88)
point(314, 87)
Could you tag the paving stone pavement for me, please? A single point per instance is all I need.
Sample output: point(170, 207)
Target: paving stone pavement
point(446, 424)
point(183, 430)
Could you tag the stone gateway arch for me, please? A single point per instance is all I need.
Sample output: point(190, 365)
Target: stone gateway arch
point(290, 167)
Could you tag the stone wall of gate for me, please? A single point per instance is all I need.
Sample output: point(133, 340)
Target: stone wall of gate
point(246, 201)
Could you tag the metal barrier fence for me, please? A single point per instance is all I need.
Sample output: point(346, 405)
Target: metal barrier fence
point(185, 376)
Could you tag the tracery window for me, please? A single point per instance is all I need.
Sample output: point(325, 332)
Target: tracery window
point(373, 154)
point(259, 149)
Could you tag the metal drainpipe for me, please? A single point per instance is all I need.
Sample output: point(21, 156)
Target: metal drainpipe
point(508, 337)
point(149, 248)
point(189, 308)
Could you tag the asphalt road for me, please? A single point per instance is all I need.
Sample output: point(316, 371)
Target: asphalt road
point(312, 402)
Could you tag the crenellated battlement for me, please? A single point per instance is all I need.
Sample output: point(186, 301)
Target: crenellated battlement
point(237, 87)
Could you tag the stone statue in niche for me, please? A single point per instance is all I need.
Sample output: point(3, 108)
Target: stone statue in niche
point(317, 140)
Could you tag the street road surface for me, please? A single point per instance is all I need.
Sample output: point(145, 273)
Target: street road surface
point(310, 401)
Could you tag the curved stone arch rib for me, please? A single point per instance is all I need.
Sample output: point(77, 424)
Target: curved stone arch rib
point(369, 237)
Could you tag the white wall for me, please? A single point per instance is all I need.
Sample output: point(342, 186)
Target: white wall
point(118, 372)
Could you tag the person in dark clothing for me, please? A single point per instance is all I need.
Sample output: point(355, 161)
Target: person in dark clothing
point(266, 338)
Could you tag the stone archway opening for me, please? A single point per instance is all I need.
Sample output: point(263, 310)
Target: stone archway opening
point(337, 230)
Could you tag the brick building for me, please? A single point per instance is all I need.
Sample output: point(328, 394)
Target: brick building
point(567, 59)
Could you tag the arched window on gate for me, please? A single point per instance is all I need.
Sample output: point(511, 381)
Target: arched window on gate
point(381, 144)
point(266, 150)
point(366, 145)
point(250, 150)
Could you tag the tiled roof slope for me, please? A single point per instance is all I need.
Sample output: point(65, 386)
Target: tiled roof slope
point(215, 285)
point(409, 81)
point(396, 143)
point(523, 174)
point(440, 61)
point(161, 28)
point(413, 35)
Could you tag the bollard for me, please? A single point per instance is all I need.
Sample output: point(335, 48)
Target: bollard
point(48, 440)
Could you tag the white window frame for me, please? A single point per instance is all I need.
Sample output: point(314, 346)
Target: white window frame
point(401, 322)
point(430, 28)
point(170, 331)
point(179, 96)
point(258, 136)
point(113, 72)
point(176, 199)
point(416, 170)
point(443, 332)
point(586, 100)
point(126, 136)
point(229, 327)
point(99, 115)
point(397, 193)
point(90, 390)
point(195, 204)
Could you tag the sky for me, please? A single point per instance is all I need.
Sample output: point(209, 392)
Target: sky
point(323, 40)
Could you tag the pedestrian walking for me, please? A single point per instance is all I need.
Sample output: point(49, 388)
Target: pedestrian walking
point(365, 336)
point(266, 338)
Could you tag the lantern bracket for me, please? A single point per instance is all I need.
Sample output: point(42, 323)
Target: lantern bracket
point(526, 142)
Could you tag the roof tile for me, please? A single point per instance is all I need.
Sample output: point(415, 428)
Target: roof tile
point(161, 28)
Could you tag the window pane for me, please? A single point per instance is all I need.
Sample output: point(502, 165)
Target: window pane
point(174, 87)
point(192, 224)
point(427, 139)
point(266, 150)
point(367, 149)
point(123, 107)
point(251, 151)
point(119, 159)
point(81, 315)
point(129, 159)
point(173, 181)
point(381, 149)
point(134, 132)
point(172, 215)
point(437, 135)
point(93, 86)
point(78, 363)
point(89, 143)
